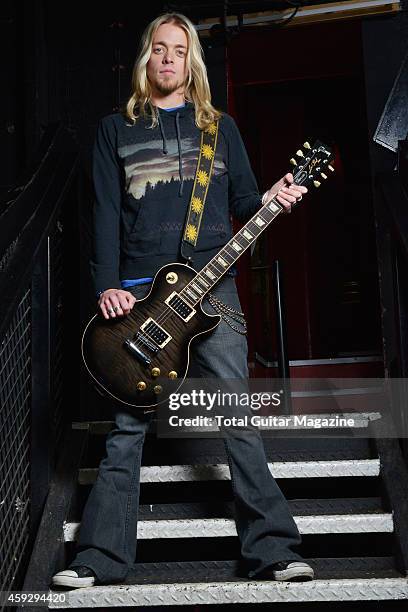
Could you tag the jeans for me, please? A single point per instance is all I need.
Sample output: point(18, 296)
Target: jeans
point(266, 529)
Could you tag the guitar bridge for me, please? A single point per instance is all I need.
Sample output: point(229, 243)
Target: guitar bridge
point(152, 347)
point(136, 352)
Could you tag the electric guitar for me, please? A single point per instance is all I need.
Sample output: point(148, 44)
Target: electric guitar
point(141, 358)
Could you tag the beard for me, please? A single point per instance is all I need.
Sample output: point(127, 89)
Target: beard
point(167, 85)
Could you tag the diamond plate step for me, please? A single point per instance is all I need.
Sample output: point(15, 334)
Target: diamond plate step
point(234, 592)
point(222, 527)
point(222, 571)
point(211, 451)
point(305, 507)
point(292, 469)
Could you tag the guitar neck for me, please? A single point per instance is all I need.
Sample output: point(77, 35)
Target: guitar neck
point(205, 280)
point(311, 164)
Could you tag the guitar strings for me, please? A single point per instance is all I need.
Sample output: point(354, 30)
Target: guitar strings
point(168, 311)
point(163, 317)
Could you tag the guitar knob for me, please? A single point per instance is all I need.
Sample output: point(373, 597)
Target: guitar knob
point(156, 372)
point(141, 386)
point(157, 389)
point(172, 375)
point(171, 278)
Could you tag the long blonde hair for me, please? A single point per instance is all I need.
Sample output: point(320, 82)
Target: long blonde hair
point(197, 89)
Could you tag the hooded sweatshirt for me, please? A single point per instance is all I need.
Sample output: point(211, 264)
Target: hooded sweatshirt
point(143, 179)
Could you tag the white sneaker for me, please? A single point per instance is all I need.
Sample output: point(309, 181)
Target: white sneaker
point(296, 571)
point(77, 577)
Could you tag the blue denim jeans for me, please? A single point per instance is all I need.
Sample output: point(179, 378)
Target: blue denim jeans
point(266, 529)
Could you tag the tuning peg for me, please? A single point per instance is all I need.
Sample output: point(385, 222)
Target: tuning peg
point(299, 153)
point(330, 168)
point(323, 175)
point(293, 161)
point(307, 145)
point(316, 183)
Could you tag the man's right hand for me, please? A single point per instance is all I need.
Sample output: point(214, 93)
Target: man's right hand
point(116, 302)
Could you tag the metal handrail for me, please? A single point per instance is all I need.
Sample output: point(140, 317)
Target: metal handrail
point(27, 217)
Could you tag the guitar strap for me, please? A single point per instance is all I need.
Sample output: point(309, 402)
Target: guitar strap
point(193, 220)
point(200, 188)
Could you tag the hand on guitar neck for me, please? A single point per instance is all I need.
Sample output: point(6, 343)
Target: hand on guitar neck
point(286, 191)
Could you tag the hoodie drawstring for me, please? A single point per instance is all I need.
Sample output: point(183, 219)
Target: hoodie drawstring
point(163, 134)
point(179, 155)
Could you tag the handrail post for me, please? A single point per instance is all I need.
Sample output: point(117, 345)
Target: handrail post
point(283, 359)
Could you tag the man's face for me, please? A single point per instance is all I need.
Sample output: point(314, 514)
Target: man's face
point(166, 68)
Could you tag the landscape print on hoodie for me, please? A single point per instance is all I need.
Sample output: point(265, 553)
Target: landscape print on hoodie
point(151, 174)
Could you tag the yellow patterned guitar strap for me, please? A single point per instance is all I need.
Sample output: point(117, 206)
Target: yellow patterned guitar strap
point(200, 188)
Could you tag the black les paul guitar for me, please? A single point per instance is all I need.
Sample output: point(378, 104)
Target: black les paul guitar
point(141, 358)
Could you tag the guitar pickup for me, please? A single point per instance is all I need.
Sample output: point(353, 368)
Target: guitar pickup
point(180, 307)
point(155, 333)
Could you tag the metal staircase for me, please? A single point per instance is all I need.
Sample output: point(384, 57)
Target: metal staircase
point(342, 495)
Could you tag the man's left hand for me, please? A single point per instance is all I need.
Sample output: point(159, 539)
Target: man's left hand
point(286, 191)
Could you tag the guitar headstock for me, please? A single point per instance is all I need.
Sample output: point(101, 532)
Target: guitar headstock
point(311, 164)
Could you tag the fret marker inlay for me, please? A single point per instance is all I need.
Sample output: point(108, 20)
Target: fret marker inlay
point(236, 246)
point(247, 235)
point(191, 294)
point(222, 261)
point(260, 222)
point(203, 282)
point(196, 288)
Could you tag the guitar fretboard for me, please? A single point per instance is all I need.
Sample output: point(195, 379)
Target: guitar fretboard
point(208, 276)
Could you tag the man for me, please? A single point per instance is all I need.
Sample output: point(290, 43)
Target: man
point(144, 166)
